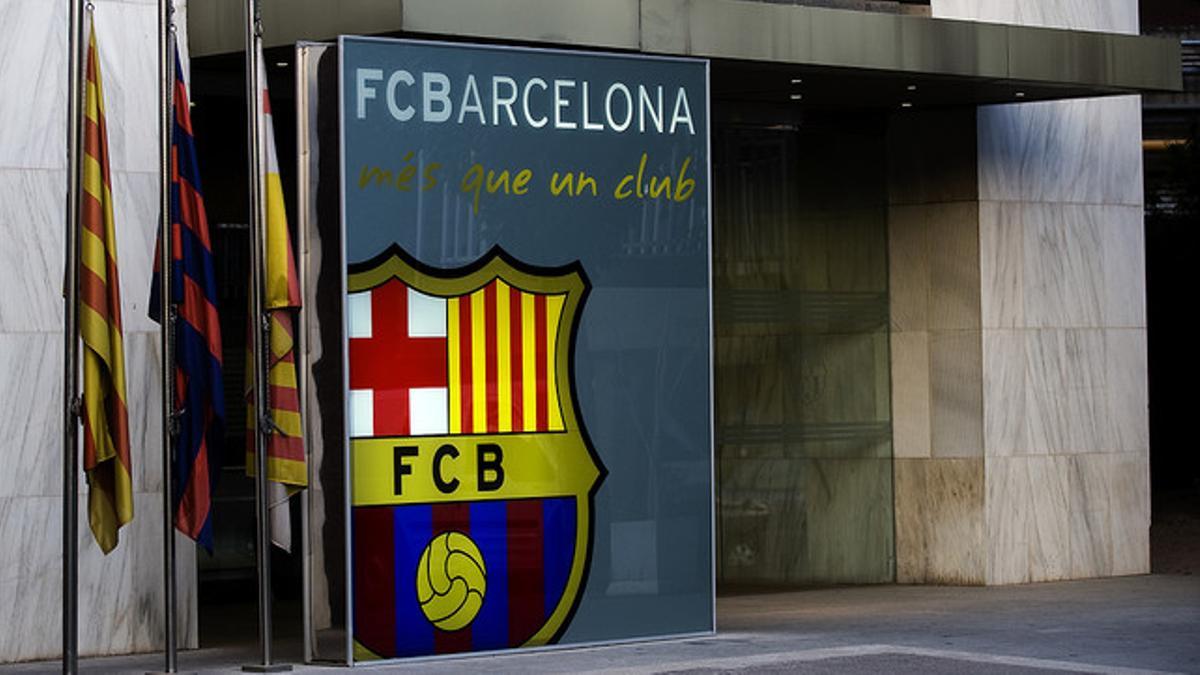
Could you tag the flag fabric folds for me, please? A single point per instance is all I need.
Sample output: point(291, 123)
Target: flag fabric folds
point(199, 383)
point(286, 463)
point(105, 420)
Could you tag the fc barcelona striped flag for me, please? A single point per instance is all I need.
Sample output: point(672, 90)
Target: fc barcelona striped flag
point(105, 421)
point(199, 383)
point(472, 477)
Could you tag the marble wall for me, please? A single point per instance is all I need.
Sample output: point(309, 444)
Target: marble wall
point(120, 602)
point(1039, 322)
point(1114, 16)
point(1064, 334)
point(936, 347)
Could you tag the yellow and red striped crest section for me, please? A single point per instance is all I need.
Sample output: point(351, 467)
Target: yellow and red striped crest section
point(105, 421)
point(501, 342)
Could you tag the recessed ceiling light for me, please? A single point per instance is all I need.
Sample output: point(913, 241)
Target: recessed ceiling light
point(912, 87)
point(906, 104)
point(281, 64)
point(796, 80)
point(796, 97)
point(1020, 94)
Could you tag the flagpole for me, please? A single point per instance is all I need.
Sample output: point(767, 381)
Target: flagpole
point(301, 345)
point(258, 244)
point(70, 599)
point(166, 327)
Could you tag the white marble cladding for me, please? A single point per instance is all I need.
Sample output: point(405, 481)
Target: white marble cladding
point(1056, 389)
point(120, 594)
point(935, 338)
point(1067, 517)
point(33, 74)
point(1062, 312)
point(1115, 16)
point(940, 535)
point(1064, 391)
point(1079, 151)
point(1061, 265)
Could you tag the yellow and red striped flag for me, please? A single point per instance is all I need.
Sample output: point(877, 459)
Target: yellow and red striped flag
point(105, 422)
point(286, 465)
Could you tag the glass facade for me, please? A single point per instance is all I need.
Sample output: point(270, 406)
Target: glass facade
point(528, 346)
point(803, 418)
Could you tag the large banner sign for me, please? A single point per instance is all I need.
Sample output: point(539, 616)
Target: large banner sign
point(527, 315)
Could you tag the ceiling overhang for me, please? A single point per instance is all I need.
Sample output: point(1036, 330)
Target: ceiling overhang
point(761, 51)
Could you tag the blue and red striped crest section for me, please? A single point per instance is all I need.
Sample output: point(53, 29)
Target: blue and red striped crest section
point(527, 546)
point(473, 477)
point(199, 387)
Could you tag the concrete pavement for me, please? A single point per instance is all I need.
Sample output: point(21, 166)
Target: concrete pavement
point(1122, 625)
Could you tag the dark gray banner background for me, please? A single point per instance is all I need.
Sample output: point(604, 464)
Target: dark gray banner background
point(642, 358)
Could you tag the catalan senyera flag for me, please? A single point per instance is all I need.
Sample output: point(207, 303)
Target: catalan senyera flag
point(286, 464)
point(105, 421)
point(199, 381)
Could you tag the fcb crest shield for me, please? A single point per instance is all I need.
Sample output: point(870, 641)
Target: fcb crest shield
point(473, 476)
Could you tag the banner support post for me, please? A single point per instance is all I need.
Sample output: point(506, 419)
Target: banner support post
point(70, 508)
point(258, 331)
point(166, 328)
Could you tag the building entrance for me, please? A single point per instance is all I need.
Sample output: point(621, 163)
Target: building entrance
point(227, 596)
point(803, 420)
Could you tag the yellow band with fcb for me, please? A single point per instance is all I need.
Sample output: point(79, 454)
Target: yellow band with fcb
point(431, 469)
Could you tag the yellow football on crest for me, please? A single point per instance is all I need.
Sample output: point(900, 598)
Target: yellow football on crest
point(451, 581)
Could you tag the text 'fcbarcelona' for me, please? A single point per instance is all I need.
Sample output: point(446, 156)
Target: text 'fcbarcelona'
point(500, 100)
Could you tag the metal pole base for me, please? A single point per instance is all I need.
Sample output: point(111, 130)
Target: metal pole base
point(170, 672)
point(274, 668)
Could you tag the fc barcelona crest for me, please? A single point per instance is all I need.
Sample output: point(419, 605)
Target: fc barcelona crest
point(473, 476)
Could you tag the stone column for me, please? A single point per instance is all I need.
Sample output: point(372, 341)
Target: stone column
point(1049, 365)
point(1063, 304)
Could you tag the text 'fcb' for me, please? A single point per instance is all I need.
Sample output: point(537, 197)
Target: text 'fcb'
point(467, 467)
point(489, 468)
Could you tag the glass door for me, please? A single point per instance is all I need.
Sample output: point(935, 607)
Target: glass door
point(803, 419)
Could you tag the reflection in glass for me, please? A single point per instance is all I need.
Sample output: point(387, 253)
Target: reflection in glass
point(803, 420)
